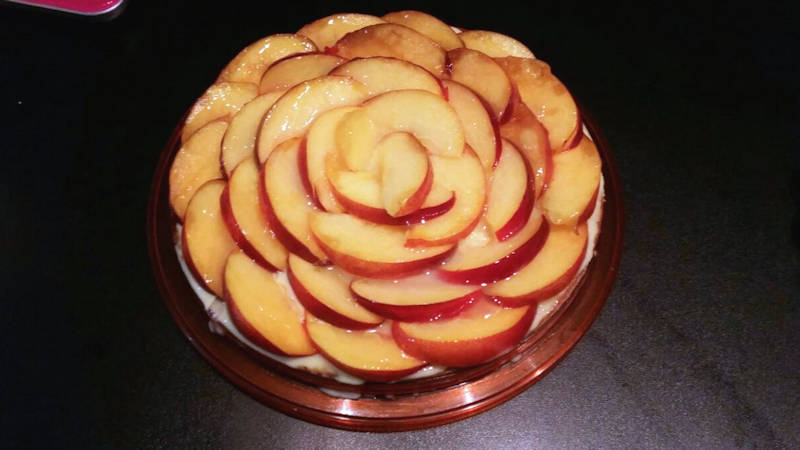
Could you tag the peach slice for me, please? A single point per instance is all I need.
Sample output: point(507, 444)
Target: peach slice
point(287, 72)
point(494, 44)
point(548, 273)
point(525, 131)
point(396, 41)
point(218, 102)
point(576, 177)
point(509, 200)
point(481, 259)
point(367, 354)
point(360, 194)
point(415, 298)
point(319, 143)
point(241, 209)
point(430, 26)
point(292, 114)
point(464, 176)
point(286, 203)
point(327, 30)
point(355, 138)
point(262, 311)
point(381, 74)
point(406, 174)
point(249, 65)
point(428, 117)
point(479, 334)
point(481, 74)
point(206, 242)
point(325, 292)
point(240, 139)
point(196, 162)
point(481, 131)
point(438, 195)
point(587, 213)
point(371, 250)
point(547, 98)
point(429, 212)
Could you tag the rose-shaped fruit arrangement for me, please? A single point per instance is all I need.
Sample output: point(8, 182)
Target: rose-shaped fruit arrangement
point(389, 193)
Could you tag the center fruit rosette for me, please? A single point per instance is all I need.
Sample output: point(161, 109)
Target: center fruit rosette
point(402, 183)
point(381, 182)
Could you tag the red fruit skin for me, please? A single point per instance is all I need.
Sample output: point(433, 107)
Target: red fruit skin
point(420, 313)
point(322, 311)
point(236, 232)
point(545, 292)
point(448, 240)
point(372, 269)
point(464, 353)
point(590, 207)
point(244, 327)
point(290, 242)
point(380, 376)
point(302, 167)
point(504, 267)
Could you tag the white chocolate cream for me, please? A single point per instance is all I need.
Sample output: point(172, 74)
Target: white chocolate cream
point(220, 320)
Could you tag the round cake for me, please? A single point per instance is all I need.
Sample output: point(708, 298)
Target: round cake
point(384, 198)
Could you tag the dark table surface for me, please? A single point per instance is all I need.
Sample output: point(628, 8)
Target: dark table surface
point(696, 347)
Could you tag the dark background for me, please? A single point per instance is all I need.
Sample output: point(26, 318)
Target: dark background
point(696, 347)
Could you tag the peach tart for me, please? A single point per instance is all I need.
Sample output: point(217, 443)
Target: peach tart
point(379, 198)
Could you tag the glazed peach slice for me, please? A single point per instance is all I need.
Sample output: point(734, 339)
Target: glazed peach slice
point(548, 273)
point(320, 142)
point(241, 209)
point(218, 102)
point(325, 292)
point(396, 41)
point(576, 177)
point(510, 200)
point(525, 131)
point(249, 65)
point(465, 177)
point(371, 250)
point(483, 75)
point(481, 131)
point(327, 30)
point(360, 194)
point(292, 114)
point(430, 26)
point(262, 311)
point(240, 138)
point(479, 334)
point(196, 162)
point(547, 98)
point(205, 239)
point(426, 116)
point(287, 72)
point(412, 299)
point(400, 188)
point(494, 44)
point(481, 259)
point(286, 203)
point(406, 174)
point(381, 74)
point(371, 355)
point(438, 196)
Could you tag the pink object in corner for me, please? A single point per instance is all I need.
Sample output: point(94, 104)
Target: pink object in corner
point(94, 8)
